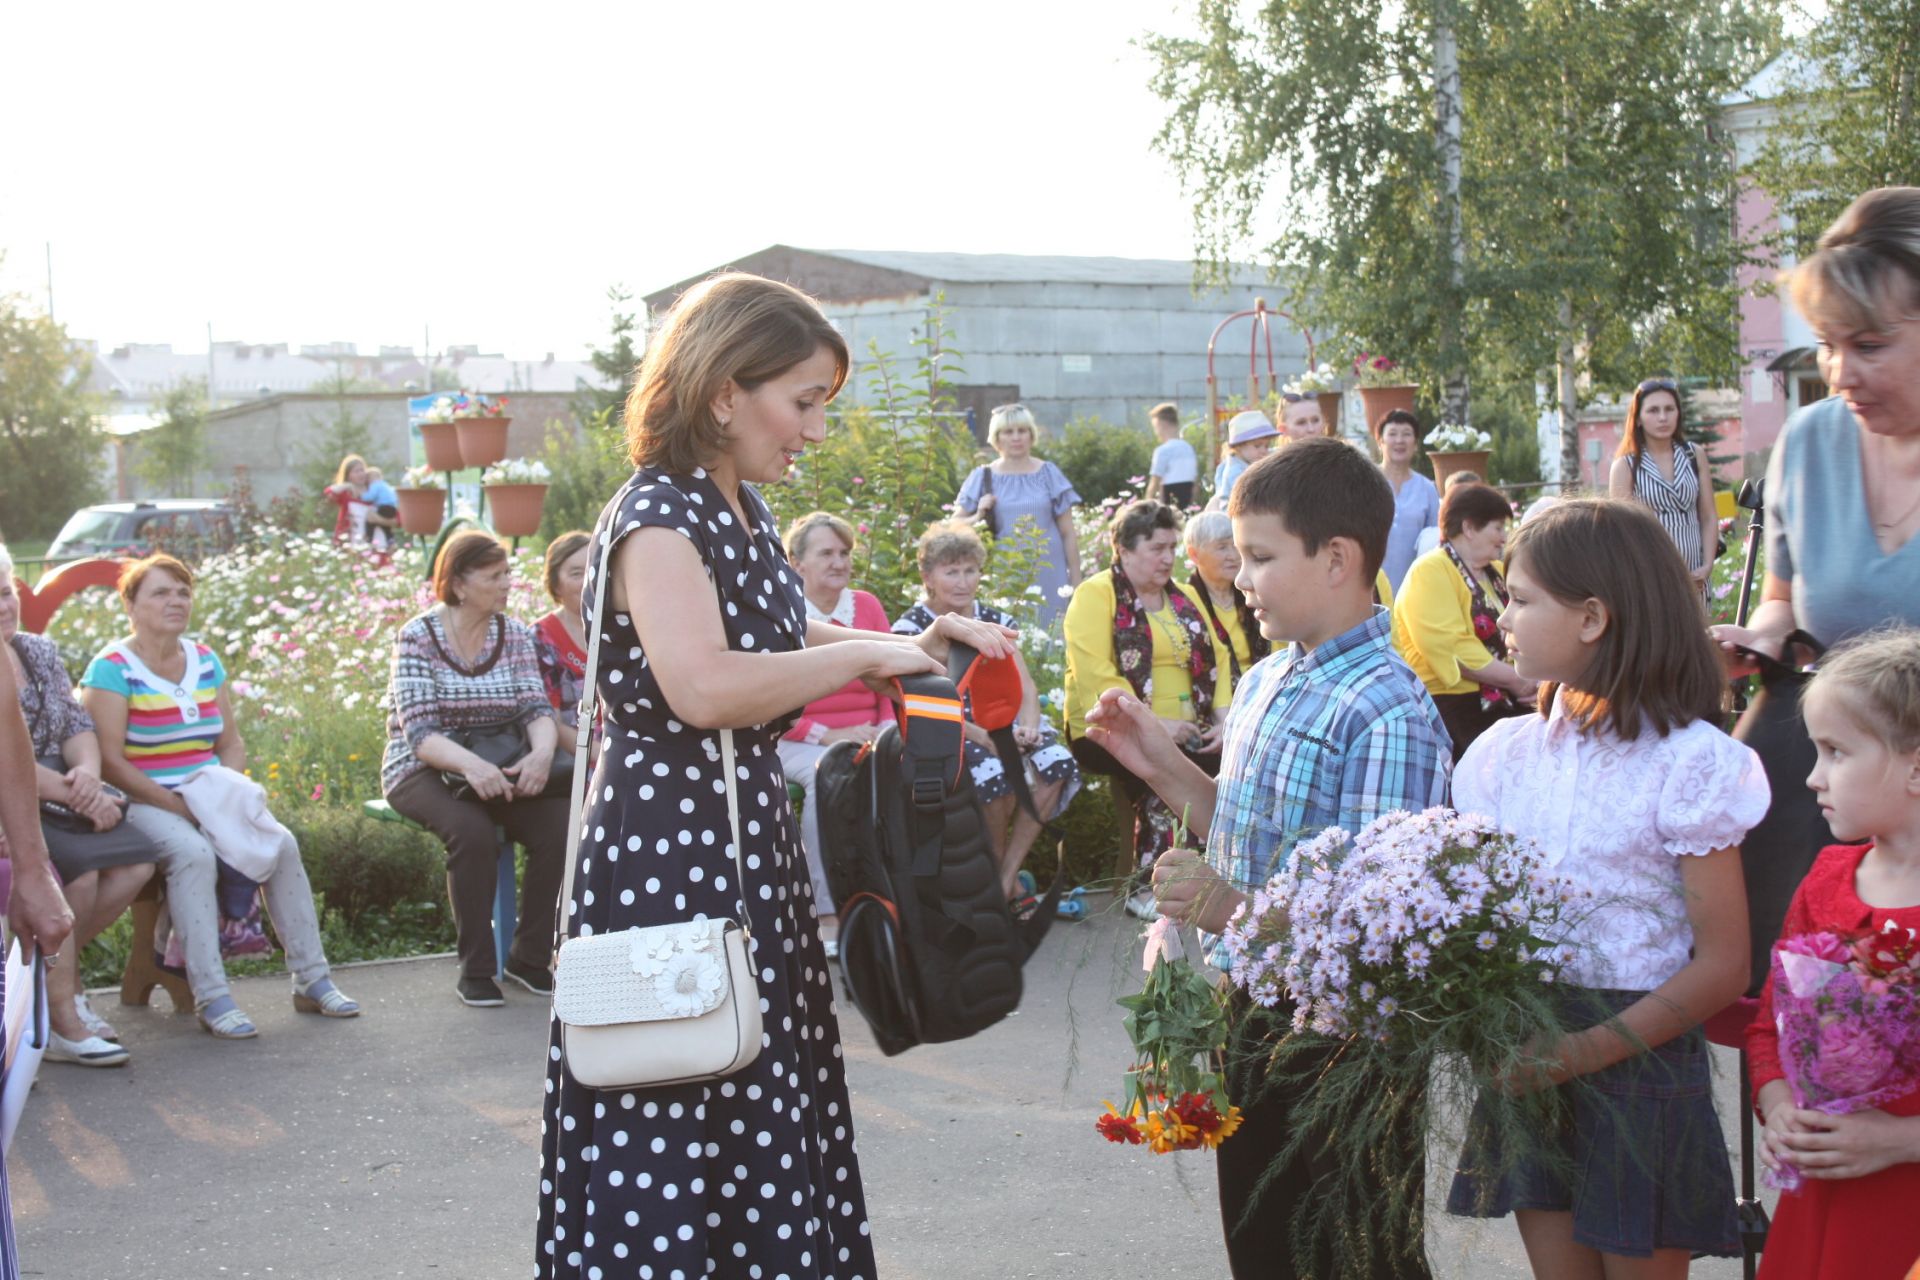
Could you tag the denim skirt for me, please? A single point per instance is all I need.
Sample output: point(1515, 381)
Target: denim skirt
point(1639, 1159)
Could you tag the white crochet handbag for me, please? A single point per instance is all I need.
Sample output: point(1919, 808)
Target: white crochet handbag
point(667, 1004)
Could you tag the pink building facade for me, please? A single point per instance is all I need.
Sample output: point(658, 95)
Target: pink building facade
point(1779, 372)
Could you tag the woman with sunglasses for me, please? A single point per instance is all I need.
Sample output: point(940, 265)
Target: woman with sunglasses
point(1019, 489)
point(1667, 473)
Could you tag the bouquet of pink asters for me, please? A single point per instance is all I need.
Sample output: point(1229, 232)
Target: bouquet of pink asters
point(1847, 1007)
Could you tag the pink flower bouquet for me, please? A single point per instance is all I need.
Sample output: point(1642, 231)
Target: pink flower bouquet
point(1848, 1012)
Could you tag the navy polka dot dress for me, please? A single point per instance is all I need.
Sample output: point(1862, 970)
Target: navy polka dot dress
point(754, 1175)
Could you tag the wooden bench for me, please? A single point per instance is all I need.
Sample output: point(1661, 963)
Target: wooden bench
point(143, 972)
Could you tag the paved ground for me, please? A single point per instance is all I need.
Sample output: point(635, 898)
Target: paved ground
point(404, 1144)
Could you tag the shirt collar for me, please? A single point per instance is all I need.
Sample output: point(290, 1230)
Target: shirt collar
point(841, 613)
point(1347, 647)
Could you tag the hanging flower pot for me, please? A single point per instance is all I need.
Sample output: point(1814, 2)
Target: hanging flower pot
point(422, 511)
point(483, 441)
point(443, 445)
point(1330, 410)
point(1446, 463)
point(515, 509)
point(1381, 401)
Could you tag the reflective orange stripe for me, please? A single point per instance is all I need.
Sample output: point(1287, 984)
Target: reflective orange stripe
point(933, 708)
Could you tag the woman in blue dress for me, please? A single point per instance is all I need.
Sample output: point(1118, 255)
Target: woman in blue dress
point(1019, 489)
point(706, 628)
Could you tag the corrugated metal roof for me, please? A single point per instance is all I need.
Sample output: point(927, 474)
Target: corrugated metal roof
point(1017, 268)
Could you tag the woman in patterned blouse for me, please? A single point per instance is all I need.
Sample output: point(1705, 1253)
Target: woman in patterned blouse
point(464, 665)
point(561, 636)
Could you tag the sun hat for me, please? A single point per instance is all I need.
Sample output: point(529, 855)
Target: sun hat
point(1249, 425)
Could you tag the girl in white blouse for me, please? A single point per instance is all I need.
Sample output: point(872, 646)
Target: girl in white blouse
point(1632, 791)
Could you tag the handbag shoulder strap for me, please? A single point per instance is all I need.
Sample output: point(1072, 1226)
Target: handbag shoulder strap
point(583, 736)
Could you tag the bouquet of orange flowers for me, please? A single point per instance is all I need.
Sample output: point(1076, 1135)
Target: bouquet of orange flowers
point(1175, 1099)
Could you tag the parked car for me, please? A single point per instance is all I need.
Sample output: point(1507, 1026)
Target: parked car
point(187, 527)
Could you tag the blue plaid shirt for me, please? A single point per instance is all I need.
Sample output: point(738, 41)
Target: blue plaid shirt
point(1332, 737)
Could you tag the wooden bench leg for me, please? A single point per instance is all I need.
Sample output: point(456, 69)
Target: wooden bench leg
point(142, 974)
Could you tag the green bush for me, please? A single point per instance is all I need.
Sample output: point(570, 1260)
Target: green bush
point(1102, 460)
point(588, 468)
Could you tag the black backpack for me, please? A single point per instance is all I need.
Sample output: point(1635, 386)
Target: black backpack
point(928, 947)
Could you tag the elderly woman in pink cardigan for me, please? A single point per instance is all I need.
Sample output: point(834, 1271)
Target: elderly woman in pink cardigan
point(821, 546)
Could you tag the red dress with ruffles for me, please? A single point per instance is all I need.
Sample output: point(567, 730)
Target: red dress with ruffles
point(1856, 1228)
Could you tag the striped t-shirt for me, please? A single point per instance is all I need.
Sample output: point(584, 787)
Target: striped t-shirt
point(170, 730)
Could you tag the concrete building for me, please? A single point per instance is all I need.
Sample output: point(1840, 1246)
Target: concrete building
point(1070, 337)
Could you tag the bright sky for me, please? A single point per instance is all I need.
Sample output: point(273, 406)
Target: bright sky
point(356, 172)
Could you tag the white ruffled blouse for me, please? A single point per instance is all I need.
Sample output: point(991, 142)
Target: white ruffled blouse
point(1616, 817)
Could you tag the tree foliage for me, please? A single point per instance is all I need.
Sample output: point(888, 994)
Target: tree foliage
point(170, 454)
point(1595, 199)
point(1848, 117)
point(50, 437)
point(616, 362)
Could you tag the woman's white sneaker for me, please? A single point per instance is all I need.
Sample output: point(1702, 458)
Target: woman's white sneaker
point(91, 1052)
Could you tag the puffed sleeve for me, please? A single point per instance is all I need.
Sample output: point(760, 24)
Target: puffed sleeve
point(1060, 490)
point(1713, 794)
point(968, 499)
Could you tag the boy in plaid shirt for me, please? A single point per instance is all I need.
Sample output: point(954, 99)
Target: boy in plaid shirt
point(1334, 730)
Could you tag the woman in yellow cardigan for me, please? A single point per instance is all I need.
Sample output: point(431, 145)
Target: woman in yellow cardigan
point(1445, 617)
point(1134, 628)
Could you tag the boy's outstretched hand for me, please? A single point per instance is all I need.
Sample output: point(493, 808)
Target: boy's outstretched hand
point(1129, 732)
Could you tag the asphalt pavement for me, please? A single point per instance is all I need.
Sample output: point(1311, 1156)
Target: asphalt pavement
point(405, 1143)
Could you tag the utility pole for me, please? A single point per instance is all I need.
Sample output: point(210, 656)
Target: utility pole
point(210, 399)
point(50, 314)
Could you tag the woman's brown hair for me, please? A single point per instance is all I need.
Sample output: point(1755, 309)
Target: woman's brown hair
point(1471, 504)
point(346, 465)
point(1654, 664)
point(1633, 437)
point(1866, 272)
point(1140, 520)
point(736, 327)
point(464, 552)
point(559, 551)
point(136, 573)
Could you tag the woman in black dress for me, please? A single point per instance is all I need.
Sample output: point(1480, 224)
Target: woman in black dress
point(706, 629)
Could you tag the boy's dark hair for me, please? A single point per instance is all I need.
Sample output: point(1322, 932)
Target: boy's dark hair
point(1168, 412)
point(1322, 489)
point(1655, 664)
point(1137, 521)
point(1475, 504)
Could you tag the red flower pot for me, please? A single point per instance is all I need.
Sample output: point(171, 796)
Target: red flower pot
point(1380, 401)
point(1330, 410)
point(443, 445)
point(422, 511)
point(483, 441)
point(515, 509)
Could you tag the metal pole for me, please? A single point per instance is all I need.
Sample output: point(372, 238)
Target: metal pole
point(50, 315)
point(210, 400)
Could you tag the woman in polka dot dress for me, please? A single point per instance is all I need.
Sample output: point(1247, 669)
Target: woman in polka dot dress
point(754, 1175)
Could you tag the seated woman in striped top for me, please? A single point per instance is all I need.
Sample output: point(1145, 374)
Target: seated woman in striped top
point(160, 706)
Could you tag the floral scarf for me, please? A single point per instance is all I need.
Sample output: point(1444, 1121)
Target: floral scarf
point(1153, 821)
point(1485, 616)
point(1258, 646)
point(1133, 644)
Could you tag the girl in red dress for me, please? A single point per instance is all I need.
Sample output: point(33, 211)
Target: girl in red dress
point(1857, 1214)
